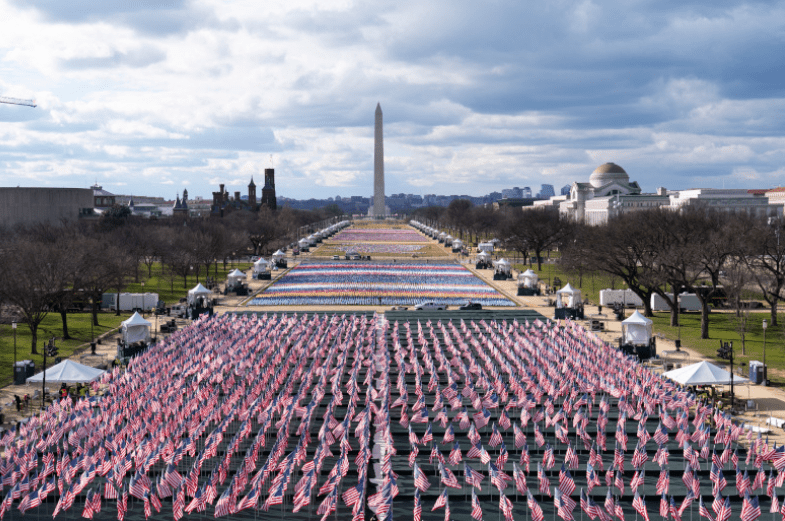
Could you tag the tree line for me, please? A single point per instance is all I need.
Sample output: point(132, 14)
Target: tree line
point(697, 250)
point(48, 268)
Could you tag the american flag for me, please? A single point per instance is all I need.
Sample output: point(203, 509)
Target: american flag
point(534, 508)
point(420, 480)
point(750, 508)
point(471, 476)
point(476, 509)
point(566, 482)
point(703, 511)
point(417, 512)
point(639, 504)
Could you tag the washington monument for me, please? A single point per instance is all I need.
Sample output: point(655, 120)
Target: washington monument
point(378, 165)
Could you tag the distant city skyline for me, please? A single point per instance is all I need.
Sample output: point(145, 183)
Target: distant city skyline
point(154, 97)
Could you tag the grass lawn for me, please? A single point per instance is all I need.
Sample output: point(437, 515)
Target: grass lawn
point(172, 290)
point(78, 327)
point(722, 327)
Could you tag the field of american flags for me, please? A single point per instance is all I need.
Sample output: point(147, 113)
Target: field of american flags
point(313, 416)
point(373, 283)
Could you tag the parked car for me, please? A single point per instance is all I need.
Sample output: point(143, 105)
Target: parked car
point(471, 306)
point(429, 305)
point(336, 257)
point(398, 308)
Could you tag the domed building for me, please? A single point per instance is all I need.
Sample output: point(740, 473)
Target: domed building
point(609, 193)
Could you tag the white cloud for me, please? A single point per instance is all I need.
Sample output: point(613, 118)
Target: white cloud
point(476, 97)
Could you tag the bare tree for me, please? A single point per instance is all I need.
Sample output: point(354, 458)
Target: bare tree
point(533, 230)
point(735, 279)
point(32, 277)
point(765, 258)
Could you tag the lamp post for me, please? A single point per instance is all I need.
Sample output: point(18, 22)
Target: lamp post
point(765, 325)
point(13, 326)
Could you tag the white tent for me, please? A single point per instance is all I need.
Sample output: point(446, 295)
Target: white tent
point(703, 373)
point(568, 297)
point(528, 279)
point(503, 266)
point(278, 255)
point(234, 278)
point(135, 329)
point(260, 266)
point(636, 329)
point(197, 292)
point(483, 256)
point(68, 371)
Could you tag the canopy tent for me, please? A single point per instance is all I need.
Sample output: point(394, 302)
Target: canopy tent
point(261, 266)
point(278, 255)
point(484, 256)
point(68, 371)
point(636, 329)
point(703, 373)
point(135, 329)
point(503, 266)
point(197, 292)
point(234, 278)
point(528, 279)
point(568, 297)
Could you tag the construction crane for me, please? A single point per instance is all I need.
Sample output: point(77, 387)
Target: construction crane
point(17, 101)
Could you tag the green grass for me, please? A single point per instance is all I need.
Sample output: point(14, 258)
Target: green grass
point(78, 328)
point(722, 327)
point(161, 283)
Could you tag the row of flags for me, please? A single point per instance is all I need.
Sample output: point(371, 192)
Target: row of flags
point(240, 412)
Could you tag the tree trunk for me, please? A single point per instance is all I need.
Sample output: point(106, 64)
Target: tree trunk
point(95, 313)
point(34, 335)
point(64, 317)
point(705, 319)
point(774, 312)
point(675, 307)
point(538, 253)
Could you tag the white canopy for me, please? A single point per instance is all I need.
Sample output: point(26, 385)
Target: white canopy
point(279, 255)
point(528, 279)
point(304, 243)
point(196, 292)
point(484, 255)
point(502, 266)
point(234, 277)
point(636, 329)
point(135, 329)
point(568, 297)
point(703, 373)
point(261, 265)
point(68, 371)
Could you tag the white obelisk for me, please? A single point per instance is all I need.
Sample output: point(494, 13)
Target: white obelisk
point(378, 165)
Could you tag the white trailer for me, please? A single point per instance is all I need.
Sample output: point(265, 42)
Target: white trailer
point(687, 302)
point(609, 297)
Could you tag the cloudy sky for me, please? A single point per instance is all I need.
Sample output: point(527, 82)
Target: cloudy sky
point(150, 97)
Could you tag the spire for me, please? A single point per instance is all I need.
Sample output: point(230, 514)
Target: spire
point(251, 183)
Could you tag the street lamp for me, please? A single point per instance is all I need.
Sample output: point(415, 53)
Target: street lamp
point(13, 326)
point(765, 325)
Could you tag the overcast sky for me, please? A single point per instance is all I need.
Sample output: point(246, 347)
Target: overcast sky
point(150, 97)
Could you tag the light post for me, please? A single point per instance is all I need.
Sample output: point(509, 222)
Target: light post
point(13, 326)
point(765, 325)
